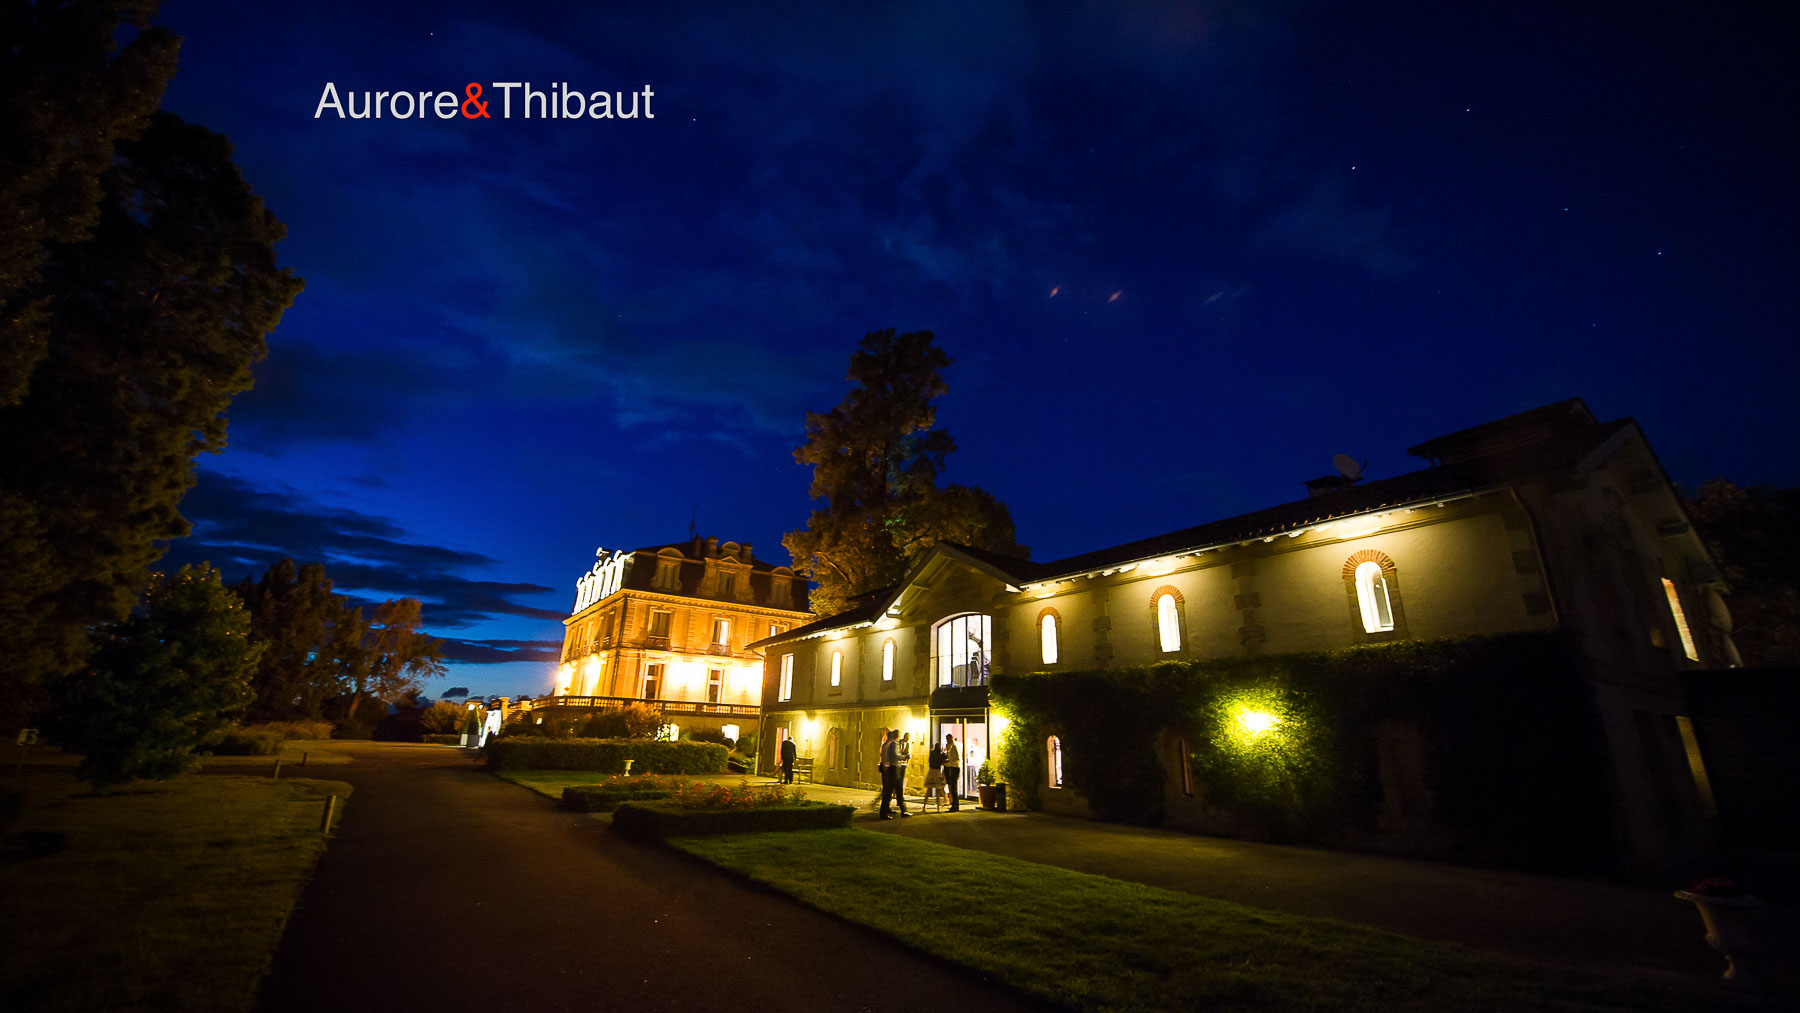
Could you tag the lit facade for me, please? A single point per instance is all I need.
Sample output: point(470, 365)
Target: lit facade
point(671, 625)
point(1545, 520)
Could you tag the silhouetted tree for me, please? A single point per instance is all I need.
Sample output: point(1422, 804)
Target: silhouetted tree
point(149, 328)
point(876, 458)
point(395, 654)
point(1754, 535)
point(160, 681)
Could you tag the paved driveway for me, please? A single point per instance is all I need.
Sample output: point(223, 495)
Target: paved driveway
point(447, 889)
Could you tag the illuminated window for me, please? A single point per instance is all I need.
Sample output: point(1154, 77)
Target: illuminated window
point(715, 684)
point(1047, 638)
point(721, 631)
point(837, 667)
point(1372, 598)
point(1168, 623)
point(1054, 747)
point(787, 678)
point(659, 624)
point(1681, 626)
point(653, 677)
point(963, 654)
point(775, 629)
point(887, 661)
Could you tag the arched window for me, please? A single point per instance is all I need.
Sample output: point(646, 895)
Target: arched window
point(1168, 623)
point(1372, 598)
point(887, 661)
point(1047, 634)
point(837, 667)
point(964, 650)
point(1373, 585)
point(1053, 765)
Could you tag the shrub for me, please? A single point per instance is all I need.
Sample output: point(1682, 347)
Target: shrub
point(293, 729)
point(631, 721)
point(650, 820)
point(441, 739)
point(241, 742)
point(608, 755)
point(444, 718)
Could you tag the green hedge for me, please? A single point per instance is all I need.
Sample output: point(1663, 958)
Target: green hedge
point(599, 798)
point(1513, 748)
point(605, 755)
point(442, 738)
point(666, 819)
point(237, 742)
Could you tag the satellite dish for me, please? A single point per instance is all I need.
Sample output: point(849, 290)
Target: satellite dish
point(1347, 466)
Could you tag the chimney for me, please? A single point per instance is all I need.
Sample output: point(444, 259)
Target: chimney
point(712, 547)
point(747, 553)
point(694, 551)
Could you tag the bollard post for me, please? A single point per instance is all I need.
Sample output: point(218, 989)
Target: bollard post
point(277, 772)
point(330, 806)
point(303, 756)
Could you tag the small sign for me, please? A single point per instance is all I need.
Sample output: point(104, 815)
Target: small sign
point(28, 736)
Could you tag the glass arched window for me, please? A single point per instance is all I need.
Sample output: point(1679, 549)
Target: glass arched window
point(1168, 623)
point(887, 661)
point(1047, 633)
point(1053, 746)
point(964, 650)
point(1372, 598)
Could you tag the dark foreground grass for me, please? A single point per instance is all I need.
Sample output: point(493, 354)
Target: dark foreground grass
point(1098, 943)
point(167, 896)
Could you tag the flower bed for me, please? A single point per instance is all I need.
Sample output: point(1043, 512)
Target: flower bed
point(606, 796)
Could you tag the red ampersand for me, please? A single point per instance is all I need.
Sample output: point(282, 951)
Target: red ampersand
point(474, 93)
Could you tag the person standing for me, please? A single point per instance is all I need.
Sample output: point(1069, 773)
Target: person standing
point(890, 778)
point(952, 767)
point(904, 768)
point(788, 753)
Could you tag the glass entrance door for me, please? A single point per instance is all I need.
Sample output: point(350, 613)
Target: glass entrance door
point(971, 738)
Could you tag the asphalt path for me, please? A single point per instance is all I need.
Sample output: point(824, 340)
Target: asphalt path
point(447, 889)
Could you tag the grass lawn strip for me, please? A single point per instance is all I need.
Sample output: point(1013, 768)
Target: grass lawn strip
point(168, 895)
point(550, 783)
point(1100, 943)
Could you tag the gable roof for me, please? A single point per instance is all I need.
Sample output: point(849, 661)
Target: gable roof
point(1557, 437)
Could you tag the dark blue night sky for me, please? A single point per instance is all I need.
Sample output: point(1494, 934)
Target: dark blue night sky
point(1181, 254)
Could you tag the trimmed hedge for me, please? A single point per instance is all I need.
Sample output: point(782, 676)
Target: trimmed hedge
point(237, 742)
point(443, 739)
point(293, 729)
point(599, 798)
point(650, 820)
point(1511, 742)
point(605, 755)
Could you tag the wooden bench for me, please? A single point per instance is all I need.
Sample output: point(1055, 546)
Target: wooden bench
point(803, 769)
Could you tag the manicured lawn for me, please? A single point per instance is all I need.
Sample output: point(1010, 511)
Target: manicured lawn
point(550, 783)
point(315, 752)
point(1100, 943)
point(168, 895)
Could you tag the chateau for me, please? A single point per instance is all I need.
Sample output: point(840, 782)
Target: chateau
point(1547, 521)
point(671, 625)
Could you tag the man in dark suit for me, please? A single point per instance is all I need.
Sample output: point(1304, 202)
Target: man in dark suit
point(788, 752)
point(891, 786)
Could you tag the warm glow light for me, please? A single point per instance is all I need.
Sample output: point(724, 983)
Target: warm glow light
point(1681, 623)
point(999, 722)
point(1256, 722)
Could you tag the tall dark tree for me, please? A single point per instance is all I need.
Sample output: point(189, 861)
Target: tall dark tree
point(396, 656)
point(68, 94)
point(150, 326)
point(1754, 535)
point(876, 458)
point(177, 669)
point(310, 635)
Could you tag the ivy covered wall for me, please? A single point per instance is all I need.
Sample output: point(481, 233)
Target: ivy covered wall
point(1484, 748)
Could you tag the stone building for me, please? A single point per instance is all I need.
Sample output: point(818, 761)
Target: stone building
point(672, 625)
point(1546, 520)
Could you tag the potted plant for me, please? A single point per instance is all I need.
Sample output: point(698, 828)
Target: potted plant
point(991, 795)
